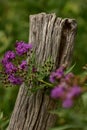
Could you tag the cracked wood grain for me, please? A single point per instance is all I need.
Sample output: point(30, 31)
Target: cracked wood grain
point(51, 36)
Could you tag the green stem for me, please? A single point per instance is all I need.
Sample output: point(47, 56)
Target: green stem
point(42, 81)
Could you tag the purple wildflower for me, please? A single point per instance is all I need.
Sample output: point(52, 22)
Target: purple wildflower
point(29, 46)
point(4, 61)
point(57, 92)
point(15, 80)
point(23, 65)
point(22, 48)
point(52, 77)
point(10, 68)
point(66, 89)
point(9, 55)
point(60, 72)
point(67, 103)
point(69, 76)
point(56, 75)
point(74, 91)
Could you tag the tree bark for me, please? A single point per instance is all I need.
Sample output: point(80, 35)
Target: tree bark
point(51, 36)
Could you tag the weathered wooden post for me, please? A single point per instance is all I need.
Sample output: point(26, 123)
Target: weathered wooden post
point(51, 36)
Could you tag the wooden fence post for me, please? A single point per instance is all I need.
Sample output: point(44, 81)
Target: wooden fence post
point(51, 36)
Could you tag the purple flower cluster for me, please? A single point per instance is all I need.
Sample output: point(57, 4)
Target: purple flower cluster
point(9, 68)
point(23, 65)
point(15, 80)
point(57, 74)
point(22, 48)
point(9, 55)
point(66, 90)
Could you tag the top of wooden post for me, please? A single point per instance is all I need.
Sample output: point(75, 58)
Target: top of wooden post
point(52, 36)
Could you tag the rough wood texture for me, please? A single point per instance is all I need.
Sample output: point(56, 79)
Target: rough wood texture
point(51, 36)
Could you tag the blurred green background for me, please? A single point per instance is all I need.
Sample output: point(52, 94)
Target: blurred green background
point(14, 25)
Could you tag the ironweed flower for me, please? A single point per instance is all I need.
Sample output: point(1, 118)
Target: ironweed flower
point(12, 71)
point(67, 103)
point(57, 92)
point(67, 94)
point(69, 76)
point(66, 90)
point(52, 77)
point(74, 91)
point(15, 80)
point(9, 55)
point(59, 72)
point(56, 75)
point(22, 48)
point(10, 68)
point(23, 65)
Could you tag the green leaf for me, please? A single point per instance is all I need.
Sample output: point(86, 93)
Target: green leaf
point(1, 115)
point(61, 127)
point(5, 123)
point(84, 97)
point(34, 89)
point(68, 127)
point(70, 69)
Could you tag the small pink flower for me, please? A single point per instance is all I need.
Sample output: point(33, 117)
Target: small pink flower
point(23, 65)
point(67, 103)
point(57, 92)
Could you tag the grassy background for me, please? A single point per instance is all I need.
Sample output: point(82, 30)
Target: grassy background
point(14, 25)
